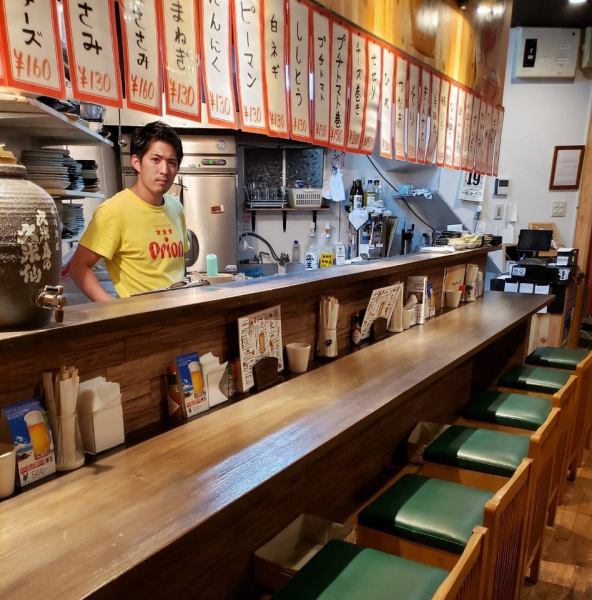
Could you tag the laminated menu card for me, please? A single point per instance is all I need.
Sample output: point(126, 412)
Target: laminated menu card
point(27, 426)
point(259, 335)
point(191, 384)
point(381, 304)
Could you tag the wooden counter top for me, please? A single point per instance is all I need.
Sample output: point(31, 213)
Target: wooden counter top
point(75, 534)
point(87, 319)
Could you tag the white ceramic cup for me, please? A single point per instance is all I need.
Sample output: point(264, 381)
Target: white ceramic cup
point(453, 298)
point(7, 469)
point(407, 317)
point(298, 355)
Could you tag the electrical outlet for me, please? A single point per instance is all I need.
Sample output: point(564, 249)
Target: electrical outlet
point(558, 208)
point(498, 212)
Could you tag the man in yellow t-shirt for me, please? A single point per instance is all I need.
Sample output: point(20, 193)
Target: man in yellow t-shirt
point(140, 232)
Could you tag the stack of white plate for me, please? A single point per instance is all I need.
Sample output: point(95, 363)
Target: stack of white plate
point(46, 168)
point(72, 220)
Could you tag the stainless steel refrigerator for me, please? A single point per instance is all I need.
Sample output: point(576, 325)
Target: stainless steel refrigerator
point(206, 185)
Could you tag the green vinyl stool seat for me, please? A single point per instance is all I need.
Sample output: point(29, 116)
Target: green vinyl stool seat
point(509, 409)
point(343, 571)
point(534, 379)
point(557, 358)
point(483, 450)
point(432, 512)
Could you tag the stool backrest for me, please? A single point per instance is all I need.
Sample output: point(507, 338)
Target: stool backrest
point(466, 580)
point(505, 518)
point(543, 444)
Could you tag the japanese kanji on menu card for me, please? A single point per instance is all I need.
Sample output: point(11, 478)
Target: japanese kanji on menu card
point(299, 72)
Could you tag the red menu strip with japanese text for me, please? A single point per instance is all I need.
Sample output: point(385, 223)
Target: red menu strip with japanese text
point(31, 49)
point(142, 59)
point(93, 51)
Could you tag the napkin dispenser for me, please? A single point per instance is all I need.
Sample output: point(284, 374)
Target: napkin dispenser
point(213, 372)
point(100, 415)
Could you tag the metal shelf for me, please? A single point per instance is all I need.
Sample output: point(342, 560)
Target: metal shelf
point(285, 212)
point(31, 118)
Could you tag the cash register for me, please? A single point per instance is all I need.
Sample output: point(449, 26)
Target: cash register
point(533, 271)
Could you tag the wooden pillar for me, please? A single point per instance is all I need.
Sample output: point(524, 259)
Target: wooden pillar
point(583, 232)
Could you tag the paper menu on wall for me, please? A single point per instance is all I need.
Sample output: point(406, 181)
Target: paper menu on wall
point(259, 335)
point(381, 304)
point(454, 277)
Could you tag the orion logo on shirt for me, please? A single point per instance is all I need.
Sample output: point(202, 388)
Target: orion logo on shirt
point(165, 248)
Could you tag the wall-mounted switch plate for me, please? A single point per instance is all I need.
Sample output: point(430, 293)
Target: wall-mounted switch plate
point(558, 208)
point(498, 212)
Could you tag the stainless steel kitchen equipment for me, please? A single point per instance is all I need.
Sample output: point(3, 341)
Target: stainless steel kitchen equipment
point(206, 185)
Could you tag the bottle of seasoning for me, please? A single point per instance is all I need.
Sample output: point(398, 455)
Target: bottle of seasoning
point(174, 396)
point(356, 329)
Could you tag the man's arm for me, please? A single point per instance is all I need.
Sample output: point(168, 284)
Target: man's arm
point(82, 274)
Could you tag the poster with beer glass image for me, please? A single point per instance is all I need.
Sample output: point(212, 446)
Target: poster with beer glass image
point(29, 430)
point(191, 383)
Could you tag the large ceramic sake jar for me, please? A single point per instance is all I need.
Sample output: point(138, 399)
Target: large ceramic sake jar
point(30, 247)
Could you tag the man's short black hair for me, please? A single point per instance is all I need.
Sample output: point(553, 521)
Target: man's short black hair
point(157, 131)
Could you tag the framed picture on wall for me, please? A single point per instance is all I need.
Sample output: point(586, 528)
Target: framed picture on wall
point(566, 169)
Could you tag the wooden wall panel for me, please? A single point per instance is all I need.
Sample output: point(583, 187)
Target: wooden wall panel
point(463, 45)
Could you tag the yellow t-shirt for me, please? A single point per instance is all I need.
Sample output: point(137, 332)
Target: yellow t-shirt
point(143, 245)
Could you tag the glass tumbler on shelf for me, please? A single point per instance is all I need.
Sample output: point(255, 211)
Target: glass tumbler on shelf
point(69, 452)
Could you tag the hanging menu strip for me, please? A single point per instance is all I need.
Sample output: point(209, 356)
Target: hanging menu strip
point(498, 140)
point(92, 47)
point(424, 111)
point(400, 105)
point(299, 68)
point(31, 48)
point(413, 96)
point(451, 125)
point(442, 122)
point(467, 131)
point(340, 40)
point(249, 65)
point(322, 76)
point(142, 56)
point(217, 70)
point(433, 125)
point(480, 137)
point(458, 135)
point(274, 64)
point(179, 26)
point(474, 130)
point(358, 79)
point(386, 110)
point(491, 140)
point(372, 96)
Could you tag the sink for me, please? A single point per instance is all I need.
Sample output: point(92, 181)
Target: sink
point(258, 269)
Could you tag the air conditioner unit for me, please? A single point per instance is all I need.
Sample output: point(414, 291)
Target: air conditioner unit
point(546, 53)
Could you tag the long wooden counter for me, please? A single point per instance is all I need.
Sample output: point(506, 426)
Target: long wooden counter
point(179, 515)
point(133, 341)
point(88, 319)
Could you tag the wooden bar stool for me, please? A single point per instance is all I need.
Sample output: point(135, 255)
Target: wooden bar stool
point(471, 453)
point(343, 571)
point(431, 520)
point(578, 361)
point(560, 387)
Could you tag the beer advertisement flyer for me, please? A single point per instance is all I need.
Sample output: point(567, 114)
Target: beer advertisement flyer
point(191, 384)
point(29, 431)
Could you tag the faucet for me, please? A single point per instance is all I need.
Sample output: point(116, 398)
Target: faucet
point(283, 259)
point(52, 297)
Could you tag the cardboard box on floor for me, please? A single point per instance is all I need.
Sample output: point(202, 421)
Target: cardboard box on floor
point(277, 561)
